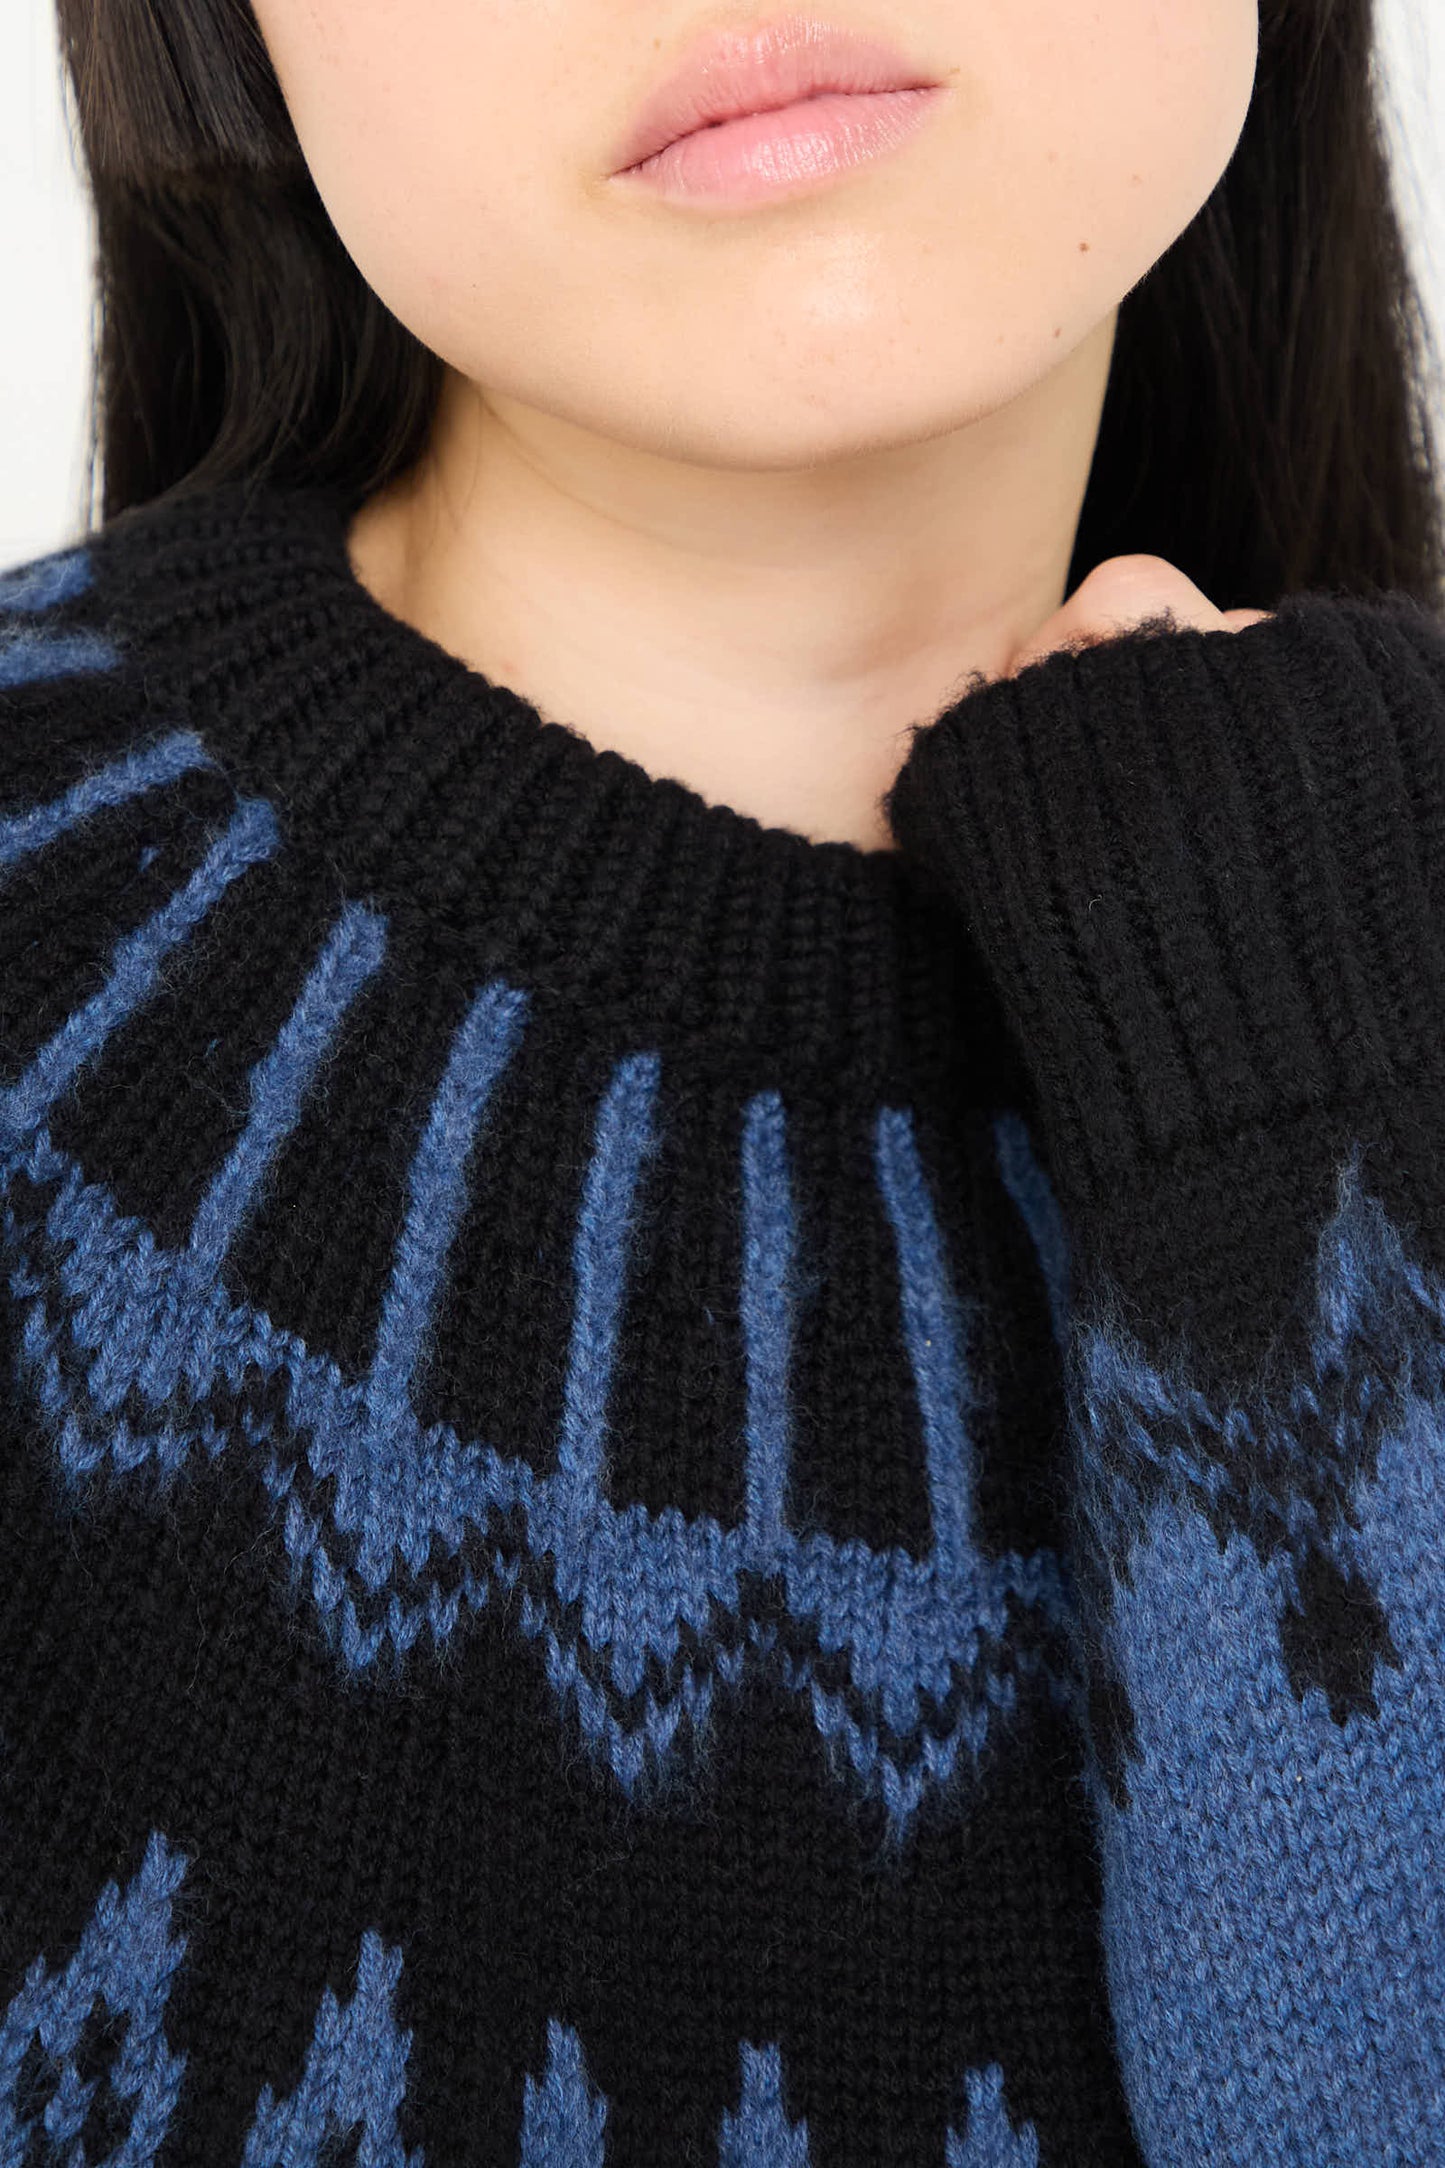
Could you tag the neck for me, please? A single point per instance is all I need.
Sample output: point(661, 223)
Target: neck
point(767, 638)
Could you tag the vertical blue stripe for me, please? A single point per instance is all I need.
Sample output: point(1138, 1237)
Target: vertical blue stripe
point(1029, 1187)
point(29, 658)
point(564, 2118)
point(116, 1983)
point(134, 975)
point(281, 1079)
point(46, 583)
point(932, 1329)
point(769, 1239)
point(352, 2091)
point(624, 1135)
point(139, 770)
point(760, 2135)
point(480, 1052)
point(990, 2139)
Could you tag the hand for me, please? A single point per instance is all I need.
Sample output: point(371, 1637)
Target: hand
point(1120, 594)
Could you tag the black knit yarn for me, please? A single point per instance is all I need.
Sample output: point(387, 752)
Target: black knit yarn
point(546, 1614)
point(168, 1670)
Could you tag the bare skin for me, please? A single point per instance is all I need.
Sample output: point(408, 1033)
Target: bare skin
point(1124, 592)
point(746, 497)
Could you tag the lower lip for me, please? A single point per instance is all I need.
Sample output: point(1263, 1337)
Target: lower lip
point(787, 151)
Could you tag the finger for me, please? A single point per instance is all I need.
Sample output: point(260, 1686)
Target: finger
point(1122, 594)
point(1127, 591)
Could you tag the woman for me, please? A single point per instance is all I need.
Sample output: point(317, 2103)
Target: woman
point(721, 1117)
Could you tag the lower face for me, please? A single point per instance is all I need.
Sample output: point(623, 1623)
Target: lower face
point(784, 289)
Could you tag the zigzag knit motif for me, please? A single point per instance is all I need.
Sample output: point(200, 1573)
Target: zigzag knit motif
point(61, 2090)
point(1274, 1903)
point(680, 1493)
point(135, 1356)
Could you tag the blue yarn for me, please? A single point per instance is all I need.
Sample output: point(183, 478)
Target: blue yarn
point(989, 2139)
point(933, 1332)
point(282, 1078)
point(139, 770)
point(354, 2082)
point(134, 976)
point(624, 1137)
point(760, 2134)
point(437, 1192)
point(47, 582)
point(32, 658)
point(563, 2119)
point(618, 1585)
point(1273, 1903)
point(1024, 1178)
point(627, 1582)
point(769, 1238)
point(122, 1970)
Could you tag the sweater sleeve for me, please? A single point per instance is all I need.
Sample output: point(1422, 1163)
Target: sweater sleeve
point(1206, 872)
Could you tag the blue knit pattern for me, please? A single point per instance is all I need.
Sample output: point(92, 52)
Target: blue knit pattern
point(1273, 1873)
point(136, 771)
point(354, 2083)
point(766, 1307)
point(600, 1254)
point(46, 582)
point(935, 1333)
point(32, 653)
point(117, 1982)
point(137, 1357)
point(990, 2138)
point(760, 2134)
point(564, 2121)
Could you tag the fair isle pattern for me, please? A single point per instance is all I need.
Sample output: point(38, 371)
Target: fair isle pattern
point(29, 653)
point(760, 2134)
point(136, 1356)
point(1274, 1875)
point(354, 2080)
point(564, 2121)
point(353, 2088)
point(112, 1993)
point(1228, 1943)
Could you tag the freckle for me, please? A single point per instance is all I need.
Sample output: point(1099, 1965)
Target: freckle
point(1136, 178)
point(1083, 248)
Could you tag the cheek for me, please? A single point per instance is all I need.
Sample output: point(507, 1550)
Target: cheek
point(432, 168)
point(1080, 141)
point(1108, 125)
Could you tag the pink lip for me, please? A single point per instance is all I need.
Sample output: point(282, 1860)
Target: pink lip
point(780, 153)
point(731, 75)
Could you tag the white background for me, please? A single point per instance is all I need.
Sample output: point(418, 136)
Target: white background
point(45, 245)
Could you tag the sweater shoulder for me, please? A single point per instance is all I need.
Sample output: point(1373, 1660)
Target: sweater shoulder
point(83, 728)
point(109, 796)
point(68, 700)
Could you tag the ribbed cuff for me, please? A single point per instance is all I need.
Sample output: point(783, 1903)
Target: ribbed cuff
point(1206, 871)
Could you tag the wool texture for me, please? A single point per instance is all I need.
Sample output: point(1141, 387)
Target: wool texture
point(670, 1494)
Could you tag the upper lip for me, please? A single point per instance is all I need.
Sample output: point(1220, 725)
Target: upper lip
point(729, 73)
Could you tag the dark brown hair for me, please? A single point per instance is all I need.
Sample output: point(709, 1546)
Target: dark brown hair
point(1266, 428)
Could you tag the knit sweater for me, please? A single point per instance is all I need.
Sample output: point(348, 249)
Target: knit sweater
point(674, 1495)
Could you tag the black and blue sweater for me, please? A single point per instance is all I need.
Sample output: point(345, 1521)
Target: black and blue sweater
point(670, 1495)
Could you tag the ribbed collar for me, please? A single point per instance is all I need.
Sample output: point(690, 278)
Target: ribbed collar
point(450, 799)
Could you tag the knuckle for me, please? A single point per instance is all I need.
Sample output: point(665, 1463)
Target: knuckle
point(1139, 576)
